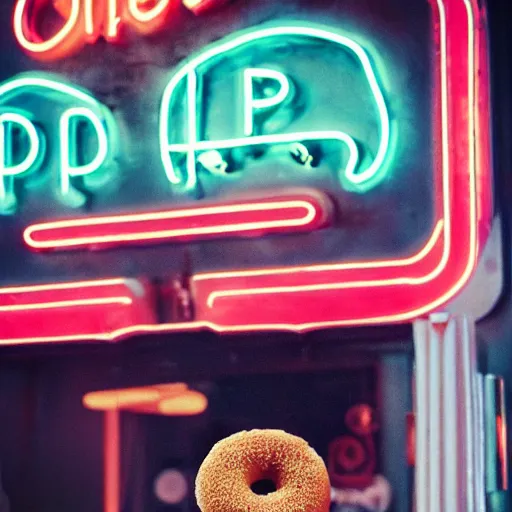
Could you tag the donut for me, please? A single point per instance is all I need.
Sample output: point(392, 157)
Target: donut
point(224, 480)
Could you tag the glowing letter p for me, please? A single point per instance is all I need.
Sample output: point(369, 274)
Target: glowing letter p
point(9, 169)
point(253, 104)
point(69, 167)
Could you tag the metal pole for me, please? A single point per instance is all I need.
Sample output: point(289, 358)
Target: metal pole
point(496, 435)
point(448, 463)
point(112, 468)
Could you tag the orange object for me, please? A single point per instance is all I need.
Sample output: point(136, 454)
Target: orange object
point(361, 420)
point(84, 21)
point(133, 399)
point(351, 454)
point(187, 404)
point(224, 480)
point(501, 436)
point(411, 439)
point(112, 462)
point(164, 399)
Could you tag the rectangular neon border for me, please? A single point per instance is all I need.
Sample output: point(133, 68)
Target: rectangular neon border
point(362, 293)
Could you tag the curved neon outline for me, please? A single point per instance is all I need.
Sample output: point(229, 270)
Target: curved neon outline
point(68, 171)
point(145, 17)
point(52, 42)
point(30, 159)
point(108, 23)
point(446, 208)
point(44, 81)
point(192, 326)
point(411, 260)
point(336, 286)
point(188, 68)
point(251, 104)
point(311, 212)
point(102, 121)
point(446, 204)
point(192, 128)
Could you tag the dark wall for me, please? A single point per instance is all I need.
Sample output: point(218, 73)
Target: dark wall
point(51, 447)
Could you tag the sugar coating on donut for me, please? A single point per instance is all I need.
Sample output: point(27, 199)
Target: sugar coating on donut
point(223, 483)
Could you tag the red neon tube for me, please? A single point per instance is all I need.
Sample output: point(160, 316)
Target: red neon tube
point(287, 213)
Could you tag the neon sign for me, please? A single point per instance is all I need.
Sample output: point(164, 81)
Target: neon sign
point(351, 177)
point(293, 212)
point(87, 20)
point(264, 91)
point(342, 249)
point(16, 124)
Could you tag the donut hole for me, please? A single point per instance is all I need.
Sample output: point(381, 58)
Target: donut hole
point(264, 480)
point(263, 486)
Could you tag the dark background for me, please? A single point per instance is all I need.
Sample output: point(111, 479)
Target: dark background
point(50, 447)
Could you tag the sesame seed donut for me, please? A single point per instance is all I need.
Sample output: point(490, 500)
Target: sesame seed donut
point(224, 480)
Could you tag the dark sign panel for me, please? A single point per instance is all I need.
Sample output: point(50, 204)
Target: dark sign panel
point(239, 165)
